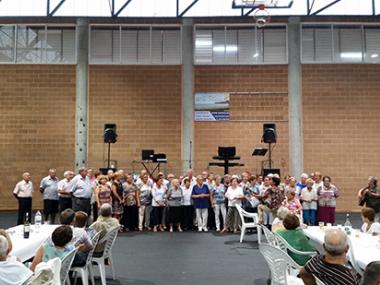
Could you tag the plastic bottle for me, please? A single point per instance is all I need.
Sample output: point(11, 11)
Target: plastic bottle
point(38, 220)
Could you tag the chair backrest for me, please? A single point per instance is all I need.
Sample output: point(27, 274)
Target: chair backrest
point(110, 239)
point(278, 261)
point(281, 243)
point(94, 242)
point(285, 246)
point(243, 213)
point(269, 235)
point(46, 273)
point(351, 257)
point(240, 211)
point(66, 264)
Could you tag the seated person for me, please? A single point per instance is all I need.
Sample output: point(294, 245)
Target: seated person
point(277, 223)
point(80, 222)
point(60, 246)
point(10, 246)
point(80, 236)
point(295, 237)
point(12, 272)
point(369, 225)
point(104, 224)
point(371, 274)
point(330, 267)
point(105, 216)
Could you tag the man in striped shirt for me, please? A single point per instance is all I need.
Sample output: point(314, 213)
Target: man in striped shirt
point(330, 268)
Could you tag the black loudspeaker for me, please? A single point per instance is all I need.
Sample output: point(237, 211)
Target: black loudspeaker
point(266, 171)
point(147, 154)
point(110, 135)
point(269, 133)
point(226, 152)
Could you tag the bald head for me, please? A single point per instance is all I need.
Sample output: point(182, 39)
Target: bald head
point(335, 242)
point(26, 176)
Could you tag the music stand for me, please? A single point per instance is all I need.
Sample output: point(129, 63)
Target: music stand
point(260, 152)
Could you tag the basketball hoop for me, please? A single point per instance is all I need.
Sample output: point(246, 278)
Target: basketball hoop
point(261, 16)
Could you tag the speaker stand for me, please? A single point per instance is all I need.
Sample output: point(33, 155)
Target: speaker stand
point(109, 155)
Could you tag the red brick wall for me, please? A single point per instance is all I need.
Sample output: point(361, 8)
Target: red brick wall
point(145, 103)
point(37, 109)
point(341, 125)
point(248, 112)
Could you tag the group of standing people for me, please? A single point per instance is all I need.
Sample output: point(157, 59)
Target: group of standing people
point(204, 202)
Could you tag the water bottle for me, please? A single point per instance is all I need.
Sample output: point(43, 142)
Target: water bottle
point(347, 224)
point(38, 221)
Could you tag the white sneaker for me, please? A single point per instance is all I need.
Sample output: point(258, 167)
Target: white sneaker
point(218, 230)
point(205, 229)
point(199, 229)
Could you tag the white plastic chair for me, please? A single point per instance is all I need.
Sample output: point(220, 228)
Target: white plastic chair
point(248, 225)
point(285, 246)
point(109, 240)
point(280, 265)
point(351, 257)
point(46, 273)
point(85, 271)
point(66, 265)
point(271, 239)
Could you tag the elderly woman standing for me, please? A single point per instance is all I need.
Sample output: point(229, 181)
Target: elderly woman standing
point(158, 203)
point(234, 195)
point(309, 199)
point(327, 195)
point(131, 203)
point(201, 198)
point(117, 191)
point(145, 190)
point(174, 201)
point(218, 202)
point(103, 192)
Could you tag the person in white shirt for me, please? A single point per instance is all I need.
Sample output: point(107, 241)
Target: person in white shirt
point(187, 205)
point(369, 225)
point(12, 272)
point(64, 191)
point(23, 192)
point(49, 189)
point(234, 195)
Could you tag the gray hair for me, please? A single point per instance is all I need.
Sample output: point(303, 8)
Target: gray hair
point(105, 210)
point(282, 212)
point(335, 242)
point(3, 247)
point(66, 173)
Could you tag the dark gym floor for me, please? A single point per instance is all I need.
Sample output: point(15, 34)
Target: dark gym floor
point(186, 258)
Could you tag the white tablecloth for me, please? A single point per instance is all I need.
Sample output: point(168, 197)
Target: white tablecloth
point(26, 248)
point(366, 247)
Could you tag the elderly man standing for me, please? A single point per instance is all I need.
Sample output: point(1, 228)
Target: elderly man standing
point(330, 268)
point(12, 272)
point(49, 189)
point(23, 193)
point(81, 190)
point(64, 191)
point(370, 196)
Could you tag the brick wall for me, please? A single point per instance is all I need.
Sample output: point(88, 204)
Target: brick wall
point(248, 112)
point(145, 103)
point(37, 109)
point(340, 103)
point(341, 125)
